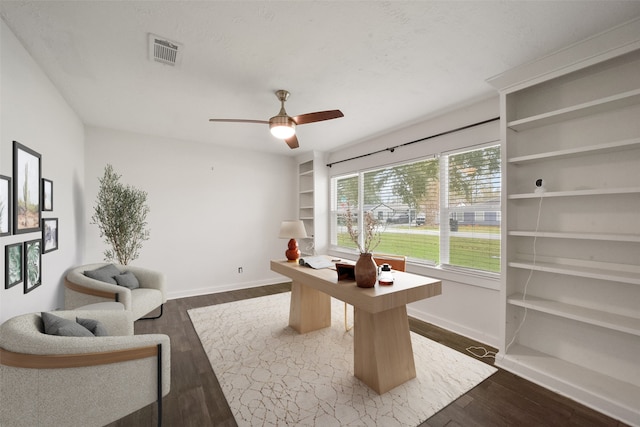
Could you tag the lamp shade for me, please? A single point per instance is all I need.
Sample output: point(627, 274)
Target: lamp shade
point(292, 229)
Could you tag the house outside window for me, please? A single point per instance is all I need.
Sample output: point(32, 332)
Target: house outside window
point(410, 200)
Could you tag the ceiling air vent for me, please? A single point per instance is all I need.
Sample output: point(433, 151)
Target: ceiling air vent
point(164, 51)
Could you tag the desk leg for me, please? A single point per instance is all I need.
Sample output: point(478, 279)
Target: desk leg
point(310, 309)
point(382, 354)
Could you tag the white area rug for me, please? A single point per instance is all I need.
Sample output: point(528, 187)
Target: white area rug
point(271, 375)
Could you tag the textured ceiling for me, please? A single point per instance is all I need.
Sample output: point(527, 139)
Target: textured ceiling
point(384, 64)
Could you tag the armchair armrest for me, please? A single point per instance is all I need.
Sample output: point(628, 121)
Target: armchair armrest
point(76, 281)
point(149, 279)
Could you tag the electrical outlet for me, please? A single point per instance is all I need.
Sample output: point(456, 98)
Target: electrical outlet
point(239, 270)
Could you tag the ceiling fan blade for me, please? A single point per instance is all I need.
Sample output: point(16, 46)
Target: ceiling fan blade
point(317, 116)
point(292, 142)
point(240, 121)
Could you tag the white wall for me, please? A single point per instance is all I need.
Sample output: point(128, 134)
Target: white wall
point(469, 305)
point(34, 113)
point(212, 208)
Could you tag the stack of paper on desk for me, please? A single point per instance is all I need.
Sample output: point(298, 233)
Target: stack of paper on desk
point(317, 262)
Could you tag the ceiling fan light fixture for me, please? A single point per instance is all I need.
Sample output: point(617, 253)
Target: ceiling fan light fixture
point(282, 127)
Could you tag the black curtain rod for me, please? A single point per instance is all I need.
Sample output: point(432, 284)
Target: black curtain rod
point(392, 149)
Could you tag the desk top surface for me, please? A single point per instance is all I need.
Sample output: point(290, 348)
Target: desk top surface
point(407, 287)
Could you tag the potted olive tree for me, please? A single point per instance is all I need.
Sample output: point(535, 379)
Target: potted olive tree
point(121, 215)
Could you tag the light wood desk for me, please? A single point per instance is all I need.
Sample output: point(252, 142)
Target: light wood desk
point(382, 353)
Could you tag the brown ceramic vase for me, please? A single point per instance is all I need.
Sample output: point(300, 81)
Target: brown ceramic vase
point(366, 271)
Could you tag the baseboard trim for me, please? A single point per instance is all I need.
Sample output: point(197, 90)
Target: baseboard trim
point(223, 288)
point(473, 334)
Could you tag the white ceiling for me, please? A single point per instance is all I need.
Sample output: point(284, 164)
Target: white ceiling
point(384, 64)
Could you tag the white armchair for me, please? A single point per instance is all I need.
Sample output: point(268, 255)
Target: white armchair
point(79, 381)
point(81, 290)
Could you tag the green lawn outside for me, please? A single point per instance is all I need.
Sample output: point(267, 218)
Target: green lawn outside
point(478, 253)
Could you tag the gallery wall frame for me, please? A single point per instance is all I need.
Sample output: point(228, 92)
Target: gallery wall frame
point(47, 194)
point(27, 172)
point(49, 235)
point(32, 264)
point(5, 205)
point(13, 265)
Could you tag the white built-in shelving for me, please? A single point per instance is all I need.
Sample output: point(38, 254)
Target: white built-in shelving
point(618, 322)
point(602, 148)
point(571, 254)
point(580, 110)
point(583, 384)
point(572, 193)
point(305, 204)
point(312, 201)
point(615, 237)
point(580, 271)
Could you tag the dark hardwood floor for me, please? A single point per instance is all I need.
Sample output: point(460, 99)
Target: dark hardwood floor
point(196, 398)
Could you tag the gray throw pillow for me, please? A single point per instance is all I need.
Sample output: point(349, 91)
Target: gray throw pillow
point(128, 280)
point(94, 326)
point(104, 274)
point(54, 325)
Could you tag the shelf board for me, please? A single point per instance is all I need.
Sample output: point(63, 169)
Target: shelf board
point(306, 207)
point(605, 393)
point(588, 272)
point(572, 193)
point(578, 236)
point(620, 100)
point(306, 191)
point(605, 147)
point(305, 173)
point(600, 318)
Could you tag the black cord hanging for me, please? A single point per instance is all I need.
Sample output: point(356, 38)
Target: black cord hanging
point(392, 149)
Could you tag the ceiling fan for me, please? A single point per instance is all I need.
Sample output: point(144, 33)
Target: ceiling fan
point(283, 126)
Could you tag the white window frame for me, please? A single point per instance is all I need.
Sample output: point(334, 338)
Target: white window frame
point(443, 212)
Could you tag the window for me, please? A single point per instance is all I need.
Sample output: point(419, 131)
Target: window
point(472, 183)
point(410, 200)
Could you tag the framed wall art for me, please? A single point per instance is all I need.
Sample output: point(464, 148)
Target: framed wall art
point(32, 265)
point(26, 189)
point(49, 235)
point(47, 194)
point(5, 205)
point(12, 265)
